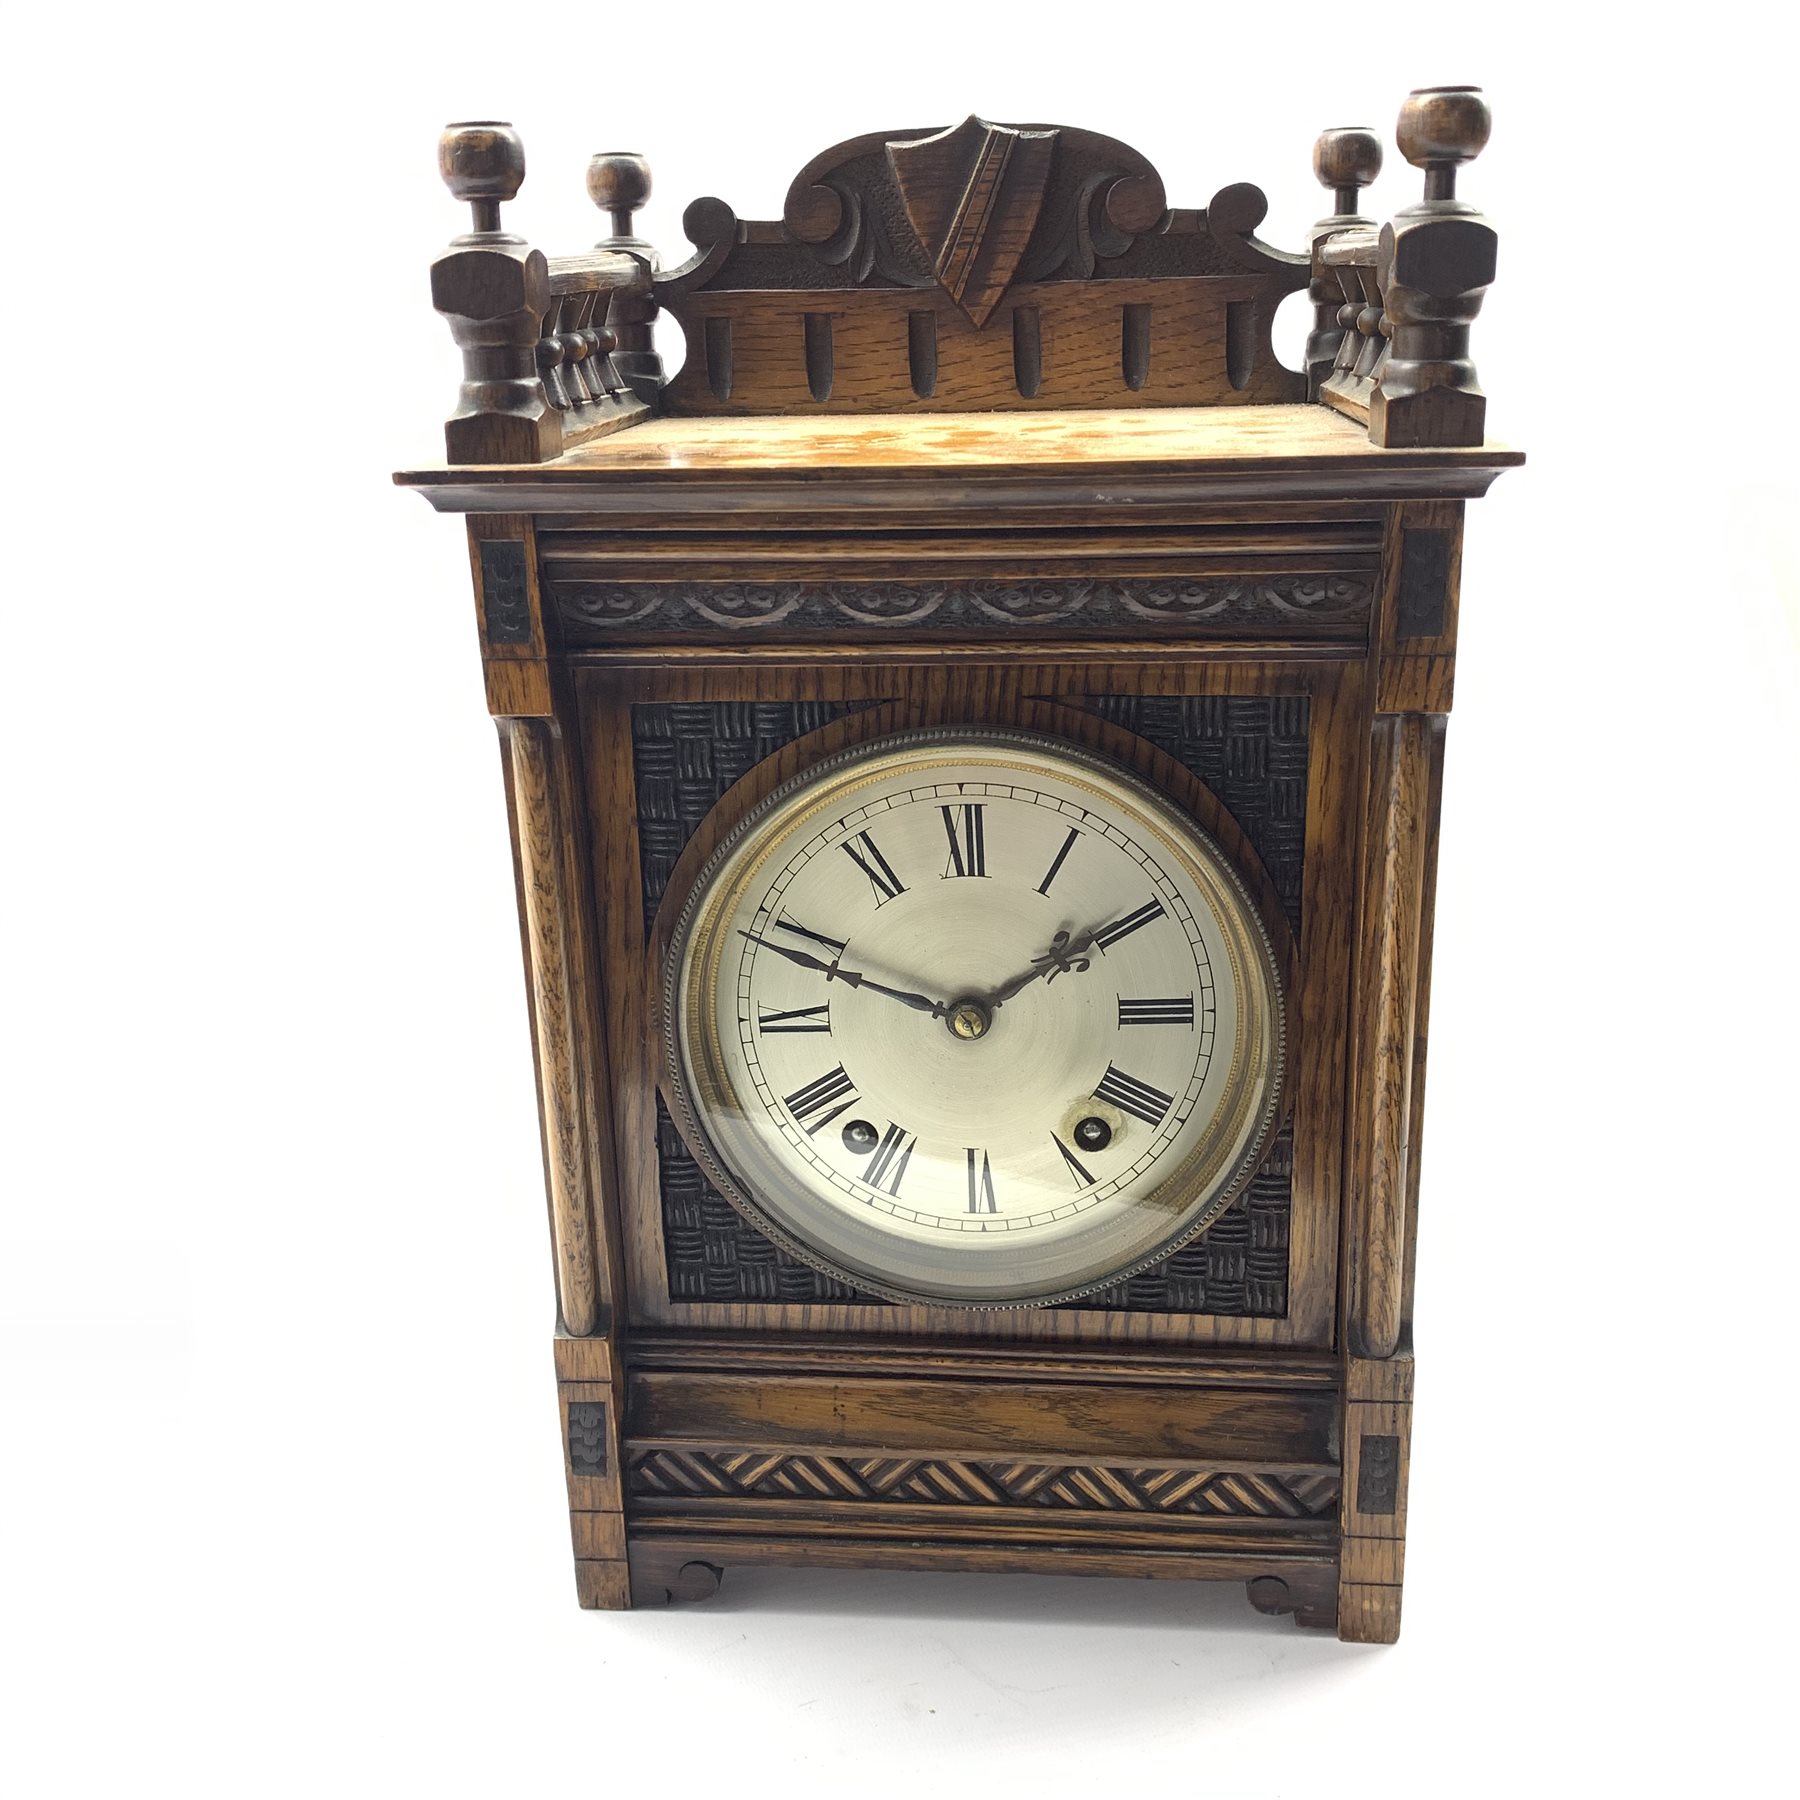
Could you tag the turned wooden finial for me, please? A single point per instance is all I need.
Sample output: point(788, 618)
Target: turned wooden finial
point(1435, 262)
point(1439, 128)
point(1346, 159)
point(482, 161)
point(618, 182)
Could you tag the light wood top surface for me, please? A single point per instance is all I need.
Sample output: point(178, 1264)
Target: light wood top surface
point(1177, 434)
point(1307, 447)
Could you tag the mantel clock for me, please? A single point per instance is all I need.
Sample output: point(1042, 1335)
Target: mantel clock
point(973, 741)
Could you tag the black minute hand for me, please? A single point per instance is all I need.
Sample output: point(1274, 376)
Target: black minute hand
point(850, 978)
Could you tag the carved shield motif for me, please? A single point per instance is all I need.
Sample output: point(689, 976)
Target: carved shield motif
point(972, 195)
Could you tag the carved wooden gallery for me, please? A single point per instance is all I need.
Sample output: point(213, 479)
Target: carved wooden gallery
point(973, 742)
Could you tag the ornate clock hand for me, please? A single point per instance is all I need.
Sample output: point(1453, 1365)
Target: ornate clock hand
point(850, 977)
point(1062, 958)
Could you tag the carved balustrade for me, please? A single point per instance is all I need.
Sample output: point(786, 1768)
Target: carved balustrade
point(555, 350)
point(982, 268)
point(1406, 295)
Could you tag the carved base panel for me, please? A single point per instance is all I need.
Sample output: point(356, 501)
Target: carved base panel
point(1150, 1463)
point(690, 1566)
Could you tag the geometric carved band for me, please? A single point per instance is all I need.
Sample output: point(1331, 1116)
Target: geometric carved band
point(597, 612)
point(730, 1474)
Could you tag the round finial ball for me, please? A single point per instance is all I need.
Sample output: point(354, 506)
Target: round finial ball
point(1443, 125)
point(1347, 156)
point(481, 159)
point(618, 180)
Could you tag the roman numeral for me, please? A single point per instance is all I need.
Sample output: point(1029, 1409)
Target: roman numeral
point(834, 1091)
point(893, 1153)
point(968, 840)
point(1062, 856)
point(1108, 935)
point(886, 883)
point(800, 1018)
point(1077, 1168)
point(818, 937)
point(981, 1184)
point(1136, 1097)
point(1173, 1011)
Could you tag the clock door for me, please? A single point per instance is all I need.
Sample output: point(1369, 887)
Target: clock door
point(972, 1016)
point(778, 889)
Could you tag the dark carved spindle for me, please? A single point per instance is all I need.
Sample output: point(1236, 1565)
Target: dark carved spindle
point(1437, 259)
point(618, 182)
point(494, 289)
point(549, 358)
point(1346, 159)
point(572, 315)
point(601, 341)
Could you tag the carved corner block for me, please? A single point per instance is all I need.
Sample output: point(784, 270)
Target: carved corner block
point(509, 614)
point(593, 1464)
point(1421, 580)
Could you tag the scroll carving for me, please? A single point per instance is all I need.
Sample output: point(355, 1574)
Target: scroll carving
point(603, 611)
point(984, 266)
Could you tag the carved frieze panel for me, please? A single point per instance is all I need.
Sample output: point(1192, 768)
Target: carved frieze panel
point(603, 612)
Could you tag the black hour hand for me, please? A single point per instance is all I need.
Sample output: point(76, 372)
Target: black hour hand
point(850, 977)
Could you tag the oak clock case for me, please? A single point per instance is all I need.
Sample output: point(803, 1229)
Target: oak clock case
point(974, 746)
point(1091, 1079)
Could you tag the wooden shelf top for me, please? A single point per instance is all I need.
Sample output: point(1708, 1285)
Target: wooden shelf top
point(1299, 451)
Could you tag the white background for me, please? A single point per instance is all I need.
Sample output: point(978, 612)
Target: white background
point(283, 1510)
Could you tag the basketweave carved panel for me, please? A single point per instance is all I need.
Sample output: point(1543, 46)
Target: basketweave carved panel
point(686, 757)
point(723, 1474)
point(1238, 1266)
point(603, 612)
point(1252, 752)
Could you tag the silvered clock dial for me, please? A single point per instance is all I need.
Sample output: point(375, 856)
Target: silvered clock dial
point(973, 1017)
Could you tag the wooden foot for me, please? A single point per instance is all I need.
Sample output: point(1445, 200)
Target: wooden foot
point(602, 1586)
point(1368, 1614)
point(1310, 1595)
point(659, 1579)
